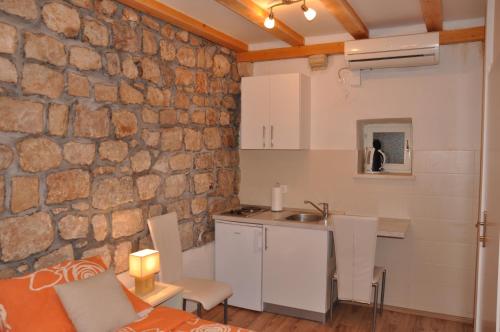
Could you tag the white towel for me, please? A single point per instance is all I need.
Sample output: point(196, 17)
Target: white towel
point(355, 241)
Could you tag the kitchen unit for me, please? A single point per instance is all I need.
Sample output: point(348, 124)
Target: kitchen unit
point(275, 112)
point(278, 265)
point(275, 268)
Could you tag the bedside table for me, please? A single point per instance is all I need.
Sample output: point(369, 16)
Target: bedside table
point(164, 295)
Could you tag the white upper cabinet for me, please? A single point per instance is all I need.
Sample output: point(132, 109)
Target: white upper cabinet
point(275, 112)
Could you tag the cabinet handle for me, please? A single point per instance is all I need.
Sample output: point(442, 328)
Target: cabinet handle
point(272, 136)
point(263, 136)
point(265, 238)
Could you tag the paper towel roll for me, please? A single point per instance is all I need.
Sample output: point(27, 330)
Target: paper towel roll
point(277, 198)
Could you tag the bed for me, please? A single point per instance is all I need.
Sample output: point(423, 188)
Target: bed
point(30, 303)
point(166, 319)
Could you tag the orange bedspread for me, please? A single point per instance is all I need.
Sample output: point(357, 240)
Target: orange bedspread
point(164, 319)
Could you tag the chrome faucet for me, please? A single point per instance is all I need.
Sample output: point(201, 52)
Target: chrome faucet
point(324, 210)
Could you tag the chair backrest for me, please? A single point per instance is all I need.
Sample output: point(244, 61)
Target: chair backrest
point(355, 241)
point(166, 239)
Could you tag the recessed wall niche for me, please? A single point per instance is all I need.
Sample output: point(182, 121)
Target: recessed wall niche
point(385, 146)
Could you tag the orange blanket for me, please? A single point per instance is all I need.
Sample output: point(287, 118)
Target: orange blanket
point(164, 319)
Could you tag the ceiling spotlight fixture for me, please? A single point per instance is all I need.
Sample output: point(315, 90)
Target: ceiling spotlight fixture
point(269, 22)
point(309, 13)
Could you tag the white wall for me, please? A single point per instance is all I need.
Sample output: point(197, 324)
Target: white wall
point(199, 262)
point(433, 268)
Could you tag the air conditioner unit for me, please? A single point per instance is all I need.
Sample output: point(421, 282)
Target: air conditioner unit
point(400, 51)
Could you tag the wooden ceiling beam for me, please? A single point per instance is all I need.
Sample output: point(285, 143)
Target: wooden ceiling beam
point(445, 38)
point(432, 11)
point(159, 10)
point(291, 52)
point(461, 35)
point(346, 15)
point(256, 14)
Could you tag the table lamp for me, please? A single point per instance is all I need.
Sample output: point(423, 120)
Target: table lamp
point(142, 266)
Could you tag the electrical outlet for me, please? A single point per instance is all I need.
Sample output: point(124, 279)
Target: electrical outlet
point(284, 188)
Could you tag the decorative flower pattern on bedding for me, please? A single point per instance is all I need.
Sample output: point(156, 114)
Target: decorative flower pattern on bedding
point(164, 319)
point(30, 303)
point(62, 273)
point(4, 325)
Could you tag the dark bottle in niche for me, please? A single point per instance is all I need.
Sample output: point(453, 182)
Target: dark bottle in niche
point(378, 157)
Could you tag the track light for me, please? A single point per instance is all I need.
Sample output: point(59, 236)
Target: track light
point(269, 22)
point(309, 13)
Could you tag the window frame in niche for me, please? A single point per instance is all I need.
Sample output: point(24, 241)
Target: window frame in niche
point(370, 128)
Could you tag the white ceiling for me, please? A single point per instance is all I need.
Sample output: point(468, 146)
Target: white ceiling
point(376, 14)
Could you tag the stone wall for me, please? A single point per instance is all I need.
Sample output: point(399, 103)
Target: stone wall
point(108, 116)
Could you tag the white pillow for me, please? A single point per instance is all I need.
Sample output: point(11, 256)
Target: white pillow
point(96, 304)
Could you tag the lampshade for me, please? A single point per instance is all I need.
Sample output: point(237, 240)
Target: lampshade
point(144, 263)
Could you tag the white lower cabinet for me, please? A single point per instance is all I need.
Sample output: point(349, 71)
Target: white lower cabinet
point(238, 262)
point(278, 269)
point(297, 264)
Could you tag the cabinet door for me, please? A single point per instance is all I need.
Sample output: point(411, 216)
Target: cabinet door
point(238, 262)
point(295, 268)
point(255, 113)
point(285, 111)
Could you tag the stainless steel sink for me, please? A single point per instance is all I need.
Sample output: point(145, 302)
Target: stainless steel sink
point(304, 217)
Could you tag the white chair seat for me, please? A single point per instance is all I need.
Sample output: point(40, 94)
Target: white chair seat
point(378, 272)
point(208, 293)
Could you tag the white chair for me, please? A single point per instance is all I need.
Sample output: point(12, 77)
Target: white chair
point(207, 293)
point(355, 240)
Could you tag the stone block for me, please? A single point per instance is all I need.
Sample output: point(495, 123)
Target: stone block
point(175, 185)
point(77, 153)
point(78, 85)
point(61, 18)
point(21, 115)
point(99, 227)
point(105, 92)
point(41, 80)
point(73, 227)
point(84, 58)
point(115, 151)
point(44, 48)
point(171, 139)
point(38, 154)
point(25, 193)
point(67, 186)
point(130, 95)
point(58, 119)
point(110, 192)
point(125, 123)
point(8, 37)
point(141, 161)
point(95, 33)
point(8, 72)
point(147, 186)
point(27, 9)
point(91, 124)
point(23, 236)
point(126, 222)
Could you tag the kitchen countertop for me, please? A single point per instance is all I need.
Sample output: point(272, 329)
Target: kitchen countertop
point(387, 227)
